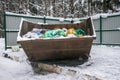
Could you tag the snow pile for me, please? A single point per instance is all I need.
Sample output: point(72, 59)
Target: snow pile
point(103, 65)
point(97, 16)
point(118, 28)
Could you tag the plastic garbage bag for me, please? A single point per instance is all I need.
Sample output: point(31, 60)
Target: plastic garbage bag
point(71, 31)
point(80, 32)
point(54, 33)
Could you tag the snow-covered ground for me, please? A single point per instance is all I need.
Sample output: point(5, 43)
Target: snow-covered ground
point(104, 64)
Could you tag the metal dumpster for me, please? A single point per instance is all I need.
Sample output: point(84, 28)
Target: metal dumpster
point(55, 49)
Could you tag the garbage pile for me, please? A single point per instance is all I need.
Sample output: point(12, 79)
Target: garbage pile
point(56, 33)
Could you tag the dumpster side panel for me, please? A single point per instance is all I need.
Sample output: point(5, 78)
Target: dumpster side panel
point(57, 49)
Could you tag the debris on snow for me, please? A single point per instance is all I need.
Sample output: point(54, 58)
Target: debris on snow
point(103, 65)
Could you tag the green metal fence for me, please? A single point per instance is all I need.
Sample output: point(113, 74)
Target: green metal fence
point(108, 31)
point(106, 27)
point(12, 22)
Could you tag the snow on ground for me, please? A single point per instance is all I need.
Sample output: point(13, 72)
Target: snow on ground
point(104, 64)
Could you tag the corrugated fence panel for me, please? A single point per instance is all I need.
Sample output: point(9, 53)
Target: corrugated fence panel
point(96, 23)
point(12, 22)
point(111, 23)
point(111, 37)
point(97, 40)
point(11, 38)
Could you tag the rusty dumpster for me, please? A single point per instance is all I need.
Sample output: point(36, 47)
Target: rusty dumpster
point(55, 49)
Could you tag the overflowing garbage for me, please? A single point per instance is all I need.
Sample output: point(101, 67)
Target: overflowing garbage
point(56, 41)
point(56, 33)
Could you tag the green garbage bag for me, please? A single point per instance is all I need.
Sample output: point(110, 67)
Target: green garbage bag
point(58, 32)
point(80, 31)
point(48, 34)
point(54, 33)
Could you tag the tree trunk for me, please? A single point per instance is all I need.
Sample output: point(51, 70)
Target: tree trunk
point(104, 6)
point(72, 8)
point(54, 9)
point(46, 7)
point(89, 7)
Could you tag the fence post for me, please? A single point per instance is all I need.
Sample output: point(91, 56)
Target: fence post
point(100, 30)
point(44, 19)
point(5, 30)
point(72, 21)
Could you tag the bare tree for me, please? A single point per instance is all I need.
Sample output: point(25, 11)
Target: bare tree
point(54, 7)
point(60, 8)
point(71, 8)
point(90, 8)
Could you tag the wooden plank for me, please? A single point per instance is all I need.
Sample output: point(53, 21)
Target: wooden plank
point(47, 68)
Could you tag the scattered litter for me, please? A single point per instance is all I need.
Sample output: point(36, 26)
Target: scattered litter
point(15, 58)
point(15, 48)
point(6, 56)
point(71, 72)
